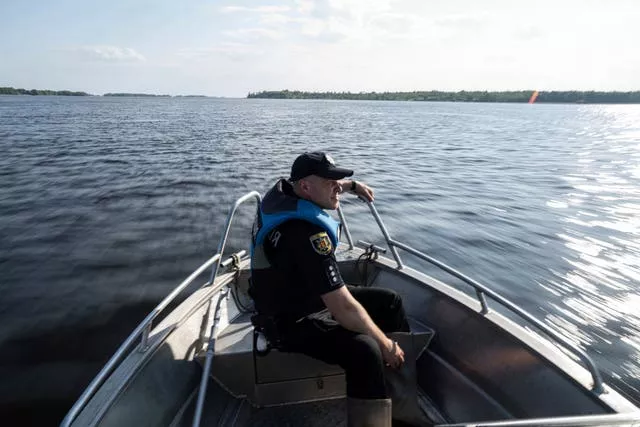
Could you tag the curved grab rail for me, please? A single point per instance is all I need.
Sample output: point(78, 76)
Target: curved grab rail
point(481, 290)
point(227, 228)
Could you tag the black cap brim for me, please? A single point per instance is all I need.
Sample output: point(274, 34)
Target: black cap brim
point(335, 173)
point(319, 164)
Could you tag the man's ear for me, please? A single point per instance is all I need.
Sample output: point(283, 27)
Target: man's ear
point(305, 186)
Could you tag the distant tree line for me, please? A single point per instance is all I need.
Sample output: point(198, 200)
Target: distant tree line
point(136, 94)
point(584, 97)
point(156, 96)
point(13, 91)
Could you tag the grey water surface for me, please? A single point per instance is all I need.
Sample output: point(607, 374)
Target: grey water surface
point(107, 203)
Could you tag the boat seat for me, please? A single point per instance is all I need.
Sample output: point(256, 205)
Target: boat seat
point(282, 366)
point(278, 377)
point(273, 379)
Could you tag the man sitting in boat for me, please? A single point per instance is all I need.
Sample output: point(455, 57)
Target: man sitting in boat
point(301, 299)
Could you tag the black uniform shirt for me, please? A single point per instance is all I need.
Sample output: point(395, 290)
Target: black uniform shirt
point(304, 254)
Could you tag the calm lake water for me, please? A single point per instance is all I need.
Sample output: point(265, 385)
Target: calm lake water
point(107, 203)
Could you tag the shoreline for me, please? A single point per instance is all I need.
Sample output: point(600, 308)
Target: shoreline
point(521, 96)
point(512, 97)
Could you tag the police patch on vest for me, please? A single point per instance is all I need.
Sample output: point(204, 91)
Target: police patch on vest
point(321, 243)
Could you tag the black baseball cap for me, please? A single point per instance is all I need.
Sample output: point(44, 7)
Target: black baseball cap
point(317, 163)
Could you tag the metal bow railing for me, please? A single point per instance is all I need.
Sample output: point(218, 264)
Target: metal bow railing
point(481, 292)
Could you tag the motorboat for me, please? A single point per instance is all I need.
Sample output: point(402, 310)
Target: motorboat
point(202, 363)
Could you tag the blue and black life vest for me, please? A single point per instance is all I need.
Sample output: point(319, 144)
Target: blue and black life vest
point(268, 284)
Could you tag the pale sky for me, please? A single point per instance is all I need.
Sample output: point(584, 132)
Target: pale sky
point(228, 48)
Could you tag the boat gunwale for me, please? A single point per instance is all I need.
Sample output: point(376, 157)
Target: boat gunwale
point(127, 350)
point(481, 291)
point(557, 356)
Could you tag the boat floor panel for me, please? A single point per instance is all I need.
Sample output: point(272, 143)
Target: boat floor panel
point(332, 412)
point(222, 410)
point(311, 414)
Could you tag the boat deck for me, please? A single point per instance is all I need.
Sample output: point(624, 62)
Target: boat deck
point(286, 386)
point(238, 412)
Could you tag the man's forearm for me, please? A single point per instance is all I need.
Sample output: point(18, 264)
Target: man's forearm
point(358, 188)
point(345, 185)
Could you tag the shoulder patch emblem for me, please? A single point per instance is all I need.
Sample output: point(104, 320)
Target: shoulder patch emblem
point(321, 243)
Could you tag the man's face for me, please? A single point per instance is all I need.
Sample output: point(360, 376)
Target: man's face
point(323, 192)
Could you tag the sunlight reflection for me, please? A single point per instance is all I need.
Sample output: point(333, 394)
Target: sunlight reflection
point(600, 291)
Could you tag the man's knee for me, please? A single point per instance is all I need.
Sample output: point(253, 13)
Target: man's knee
point(364, 352)
point(394, 298)
point(387, 297)
point(395, 318)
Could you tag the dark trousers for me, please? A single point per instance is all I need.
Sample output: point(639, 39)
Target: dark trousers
point(358, 354)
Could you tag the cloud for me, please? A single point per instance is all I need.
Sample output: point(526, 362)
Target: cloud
point(325, 21)
point(259, 9)
point(355, 10)
point(276, 19)
point(462, 21)
point(254, 33)
point(235, 51)
point(528, 33)
point(222, 47)
point(324, 31)
point(392, 23)
point(108, 53)
point(360, 21)
point(305, 6)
